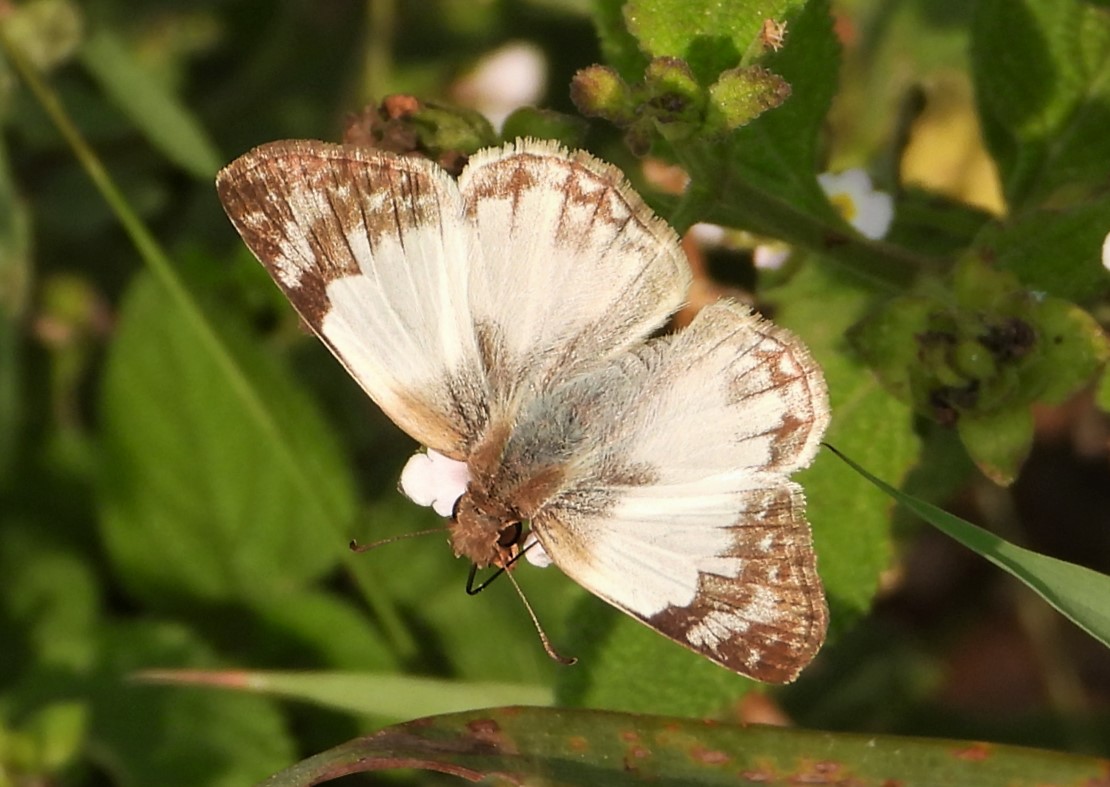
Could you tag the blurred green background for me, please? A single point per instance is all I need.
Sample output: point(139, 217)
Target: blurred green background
point(181, 469)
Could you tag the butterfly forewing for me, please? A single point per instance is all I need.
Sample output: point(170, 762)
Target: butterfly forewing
point(373, 251)
point(576, 268)
point(430, 296)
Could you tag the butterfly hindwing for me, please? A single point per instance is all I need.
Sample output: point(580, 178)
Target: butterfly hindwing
point(676, 506)
point(725, 571)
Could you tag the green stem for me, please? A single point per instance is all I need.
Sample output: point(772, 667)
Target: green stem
point(747, 207)
point(378, 57)
point(887, 266)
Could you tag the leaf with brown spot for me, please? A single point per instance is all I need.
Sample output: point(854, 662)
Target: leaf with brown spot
point(565, 747)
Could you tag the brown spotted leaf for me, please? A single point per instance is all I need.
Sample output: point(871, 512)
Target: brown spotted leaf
point(565, 747)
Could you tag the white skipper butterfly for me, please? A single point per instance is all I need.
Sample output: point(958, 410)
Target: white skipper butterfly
point(504, 321)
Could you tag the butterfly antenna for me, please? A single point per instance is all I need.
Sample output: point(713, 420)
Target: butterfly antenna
point(554, 654)
point(357, 547)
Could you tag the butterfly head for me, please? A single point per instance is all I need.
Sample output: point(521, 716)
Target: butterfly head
point(485, 532)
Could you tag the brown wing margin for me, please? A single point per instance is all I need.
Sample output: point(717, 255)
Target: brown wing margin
point(769, 622)
point(386, 235)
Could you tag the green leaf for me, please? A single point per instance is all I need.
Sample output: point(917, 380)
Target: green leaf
point(620, 48)
point(709, 35)
point(1042, 75)
point(850, 527)
point(339, 634)
point(197, 498)
point(1076, 592)
point(935, 223)
point(1056, 251)
point(58, 731)
point(998, 441)
point(153, 109)
point(388, 696)
point(50, 606)
point(777, 152)
point(1075, 346)
point(887, 340)
point(564, 747)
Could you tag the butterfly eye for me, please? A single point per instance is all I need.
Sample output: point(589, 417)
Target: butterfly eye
point(509, 535)
point(455, 509)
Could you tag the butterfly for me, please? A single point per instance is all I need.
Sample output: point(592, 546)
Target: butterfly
point(506, 322)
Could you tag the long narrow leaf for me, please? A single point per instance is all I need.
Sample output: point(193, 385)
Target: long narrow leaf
point(564, 747)
point(1079, 593)
point(389, 696)
point(150, 105)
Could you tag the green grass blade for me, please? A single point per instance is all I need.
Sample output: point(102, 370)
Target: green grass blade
point(1080, 594)
point(148, 104)
point(386, 695)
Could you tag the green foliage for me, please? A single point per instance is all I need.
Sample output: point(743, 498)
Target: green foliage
point(977, 353)
point(821, 304)
point(742, 94)
point(181, 467)
point(1042, 71)
point(698, 79)
point(384, 696)
point(163, 390)
point(1053, 250)
point(546, 124)
point(711, 37)
point(1040, 68)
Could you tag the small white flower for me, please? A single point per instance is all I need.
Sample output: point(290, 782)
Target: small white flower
point(536, 555)
point(432, 479)
point(770, 256)
point(504, 80)
point(708, 236)
point(853, 195)
point(1106, 252)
